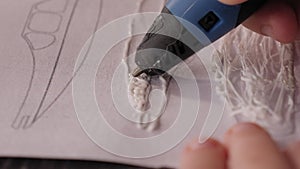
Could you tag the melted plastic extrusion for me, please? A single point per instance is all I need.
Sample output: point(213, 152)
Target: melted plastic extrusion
point(148, 96)
point(139, 90)
point(255, 74)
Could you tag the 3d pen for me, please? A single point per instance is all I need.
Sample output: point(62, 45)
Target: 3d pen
point(185, 27)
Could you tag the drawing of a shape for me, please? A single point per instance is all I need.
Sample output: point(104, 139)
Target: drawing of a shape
point(53, 5)
point(86, 26)
point(44, 62)
point(46, 85)
point(39, 41)
point(45, 22)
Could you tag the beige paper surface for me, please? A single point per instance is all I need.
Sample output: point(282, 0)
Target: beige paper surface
point(40, 42)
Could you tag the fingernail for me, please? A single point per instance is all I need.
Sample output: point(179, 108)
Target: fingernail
point(195, 145)
point(267, 30)
point(244, 127)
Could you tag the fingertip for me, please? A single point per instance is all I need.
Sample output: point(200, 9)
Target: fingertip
point(210, 154)
point(244, 129)
point(232, 2)
point(293, 153)
point(255, 144)
point(276, 19)
point(195, 145)
point(284, 24)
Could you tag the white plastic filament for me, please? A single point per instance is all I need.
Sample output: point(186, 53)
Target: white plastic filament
point(255, 74)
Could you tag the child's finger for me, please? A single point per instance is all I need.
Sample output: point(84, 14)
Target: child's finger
point(276, 19)
point(210, 155)
point(293, 154)
point(250, 147)
point(232, 2)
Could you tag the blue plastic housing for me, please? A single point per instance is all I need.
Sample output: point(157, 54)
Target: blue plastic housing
point(194, 10)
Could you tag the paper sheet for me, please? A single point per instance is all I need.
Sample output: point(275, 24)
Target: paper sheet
point(40, 42)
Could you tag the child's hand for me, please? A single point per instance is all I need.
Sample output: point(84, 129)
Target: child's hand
point(246, 146)
point(279, 19)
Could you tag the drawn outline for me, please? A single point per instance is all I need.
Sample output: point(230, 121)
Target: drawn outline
point(25, 119)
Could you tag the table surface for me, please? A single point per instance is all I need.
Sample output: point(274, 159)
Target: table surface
point(23, 163)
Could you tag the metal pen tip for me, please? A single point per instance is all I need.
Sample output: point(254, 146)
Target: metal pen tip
point(137, 72)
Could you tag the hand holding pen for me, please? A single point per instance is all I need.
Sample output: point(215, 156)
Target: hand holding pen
point(279, 19)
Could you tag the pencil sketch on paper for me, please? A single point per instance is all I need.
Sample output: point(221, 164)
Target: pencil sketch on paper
point(46, 28)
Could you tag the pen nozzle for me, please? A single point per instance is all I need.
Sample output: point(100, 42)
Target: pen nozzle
point(137, 72)
point(150, 72)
